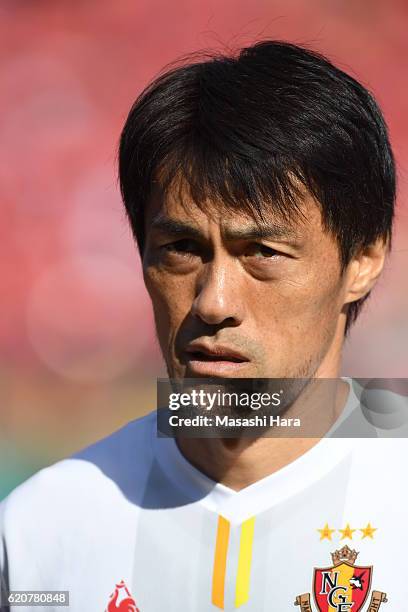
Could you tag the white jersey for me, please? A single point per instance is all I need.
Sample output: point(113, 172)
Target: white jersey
point(129, 524)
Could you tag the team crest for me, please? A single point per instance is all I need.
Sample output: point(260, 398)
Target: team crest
point(342, 587)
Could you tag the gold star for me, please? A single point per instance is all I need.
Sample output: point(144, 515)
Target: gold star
point(347, 532)
point(368, 532)
point(326, 532)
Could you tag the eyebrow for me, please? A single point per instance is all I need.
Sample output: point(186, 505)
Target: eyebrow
point(257, 232)
point(250, 232)
point(175, 228)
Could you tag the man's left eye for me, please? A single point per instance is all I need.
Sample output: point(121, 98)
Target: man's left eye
point(261, 251)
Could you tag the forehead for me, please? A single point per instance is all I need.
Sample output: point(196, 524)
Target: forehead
point(177, 204)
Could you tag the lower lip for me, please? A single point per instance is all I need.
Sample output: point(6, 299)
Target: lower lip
point(215, 368)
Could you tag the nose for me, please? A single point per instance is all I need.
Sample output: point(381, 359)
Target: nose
point(218, 300)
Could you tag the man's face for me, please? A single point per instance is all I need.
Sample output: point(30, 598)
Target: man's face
point(233, 298)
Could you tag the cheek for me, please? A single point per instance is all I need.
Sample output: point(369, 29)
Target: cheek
point(306, 306)
point(171, 298)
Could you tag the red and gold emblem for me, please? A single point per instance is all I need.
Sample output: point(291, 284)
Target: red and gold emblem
point(342, 587)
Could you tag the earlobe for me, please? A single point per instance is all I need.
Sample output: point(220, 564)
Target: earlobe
point(365, 269)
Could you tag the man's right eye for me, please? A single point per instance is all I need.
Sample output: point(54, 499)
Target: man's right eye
point(182, 247)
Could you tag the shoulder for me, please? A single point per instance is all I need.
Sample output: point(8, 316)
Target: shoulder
point(68, 514)
point(114, 467)
point(380, 451)
point(377, 464)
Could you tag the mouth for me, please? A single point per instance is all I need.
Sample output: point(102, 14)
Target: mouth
point(214, 360)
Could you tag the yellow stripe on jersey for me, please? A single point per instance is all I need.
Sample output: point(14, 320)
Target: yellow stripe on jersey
point(220, 562)
point(244, 562)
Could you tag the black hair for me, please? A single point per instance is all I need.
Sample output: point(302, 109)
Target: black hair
point(251, 129)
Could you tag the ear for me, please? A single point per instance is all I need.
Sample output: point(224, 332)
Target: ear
point(364, 270)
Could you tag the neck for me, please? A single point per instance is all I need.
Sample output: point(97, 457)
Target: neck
point(240, 462)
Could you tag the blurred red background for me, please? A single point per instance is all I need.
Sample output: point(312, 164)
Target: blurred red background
point(77, 347)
